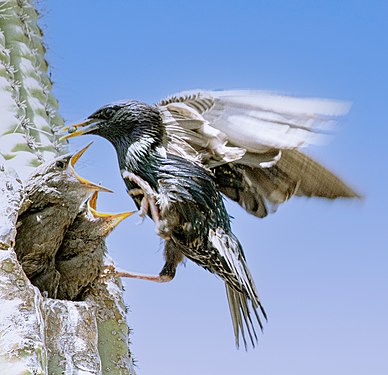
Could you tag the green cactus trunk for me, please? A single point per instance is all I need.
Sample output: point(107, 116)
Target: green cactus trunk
point(28, 110)
point(40, 335)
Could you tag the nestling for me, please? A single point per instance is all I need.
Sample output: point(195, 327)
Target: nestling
point(80, 258)
point(54, 194)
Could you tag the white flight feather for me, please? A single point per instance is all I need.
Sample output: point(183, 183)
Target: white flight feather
point(255, 121)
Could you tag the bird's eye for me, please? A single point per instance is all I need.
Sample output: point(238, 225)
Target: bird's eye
point(108, 113)
point(60, 164)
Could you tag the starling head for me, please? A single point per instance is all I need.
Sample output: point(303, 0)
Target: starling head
point(128, 120)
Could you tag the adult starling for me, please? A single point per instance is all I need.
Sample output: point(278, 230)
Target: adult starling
point(54, 194)
point(177, 155)
point(80, 258)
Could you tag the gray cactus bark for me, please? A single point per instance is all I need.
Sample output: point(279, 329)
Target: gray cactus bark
point(40, 335)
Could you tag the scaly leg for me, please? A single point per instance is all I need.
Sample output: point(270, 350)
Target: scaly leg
point(110, 271)
point(173, 257)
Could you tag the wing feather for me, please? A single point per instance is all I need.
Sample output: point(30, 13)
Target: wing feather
point(254, 137)
point(257, 120)
point(260, 190)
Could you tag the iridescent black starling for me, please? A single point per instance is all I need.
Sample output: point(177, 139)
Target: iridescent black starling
point(54, 194)
point(176, 156)
point(80, 259)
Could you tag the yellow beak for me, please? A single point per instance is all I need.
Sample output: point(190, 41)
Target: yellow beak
point(110, 220)
point(84, 181)
point(72, 129)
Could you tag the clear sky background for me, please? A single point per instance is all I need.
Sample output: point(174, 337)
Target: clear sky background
point(320, 267)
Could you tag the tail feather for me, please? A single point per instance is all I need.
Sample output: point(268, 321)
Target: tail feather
point(242, 316)
point(239, 284)
point(247, 319)
point(236, 316)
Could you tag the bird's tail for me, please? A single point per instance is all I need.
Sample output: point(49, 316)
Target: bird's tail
point(244, 302)
point(245, 318)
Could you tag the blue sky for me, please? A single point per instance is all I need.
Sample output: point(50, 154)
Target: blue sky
point(320, 267)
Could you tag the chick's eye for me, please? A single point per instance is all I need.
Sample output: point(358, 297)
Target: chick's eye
point(60, 164)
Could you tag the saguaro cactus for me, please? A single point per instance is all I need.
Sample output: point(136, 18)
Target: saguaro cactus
point(28, 110)
point(39, 335)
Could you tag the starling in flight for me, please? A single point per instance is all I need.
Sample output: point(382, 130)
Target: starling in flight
point(178, 156)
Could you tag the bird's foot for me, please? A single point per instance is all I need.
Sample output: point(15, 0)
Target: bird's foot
point(107, 273)
point(144, 203)
point(148, 202)
point(135, 192)
point(110, 271)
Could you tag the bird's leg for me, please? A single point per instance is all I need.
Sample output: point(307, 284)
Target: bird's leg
point(173, 257)
point(110, 271)
point(148, 202)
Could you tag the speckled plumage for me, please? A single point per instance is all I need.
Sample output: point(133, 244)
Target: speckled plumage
point(193, 146)
point(192, 212)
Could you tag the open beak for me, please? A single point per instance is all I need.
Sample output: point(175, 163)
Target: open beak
point(78, 129)
point(84, 181)
point(110, 221)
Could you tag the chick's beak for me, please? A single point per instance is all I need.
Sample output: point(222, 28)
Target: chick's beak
point(78, 129)
point(109, 220)
point(82, 180)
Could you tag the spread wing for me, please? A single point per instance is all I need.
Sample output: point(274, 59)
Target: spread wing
point(261, 190)
point(250, 139)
